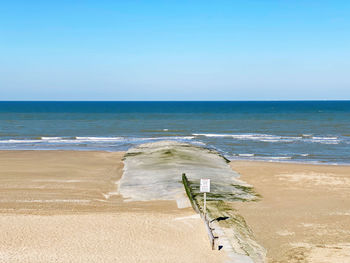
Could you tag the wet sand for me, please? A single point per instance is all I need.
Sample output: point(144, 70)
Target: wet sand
point(304, 212)
point(63, 206)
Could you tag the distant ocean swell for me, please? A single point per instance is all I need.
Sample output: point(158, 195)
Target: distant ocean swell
point(308, 131)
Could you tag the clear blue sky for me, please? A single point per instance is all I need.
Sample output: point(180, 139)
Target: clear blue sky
point(174, 50)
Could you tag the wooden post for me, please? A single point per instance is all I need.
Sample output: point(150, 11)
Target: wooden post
point(189, 194)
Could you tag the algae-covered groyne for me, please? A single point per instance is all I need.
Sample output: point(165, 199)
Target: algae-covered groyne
point(153, 171)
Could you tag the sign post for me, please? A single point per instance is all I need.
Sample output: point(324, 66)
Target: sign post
point(205, 188)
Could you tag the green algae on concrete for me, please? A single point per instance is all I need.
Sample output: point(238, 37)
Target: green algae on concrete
point(228, 225)
point(153, 171)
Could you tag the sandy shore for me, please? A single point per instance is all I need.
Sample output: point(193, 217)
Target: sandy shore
point(63, 206)
point(304, 212)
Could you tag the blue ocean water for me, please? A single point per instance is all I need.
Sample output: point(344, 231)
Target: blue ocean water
point(305, 131)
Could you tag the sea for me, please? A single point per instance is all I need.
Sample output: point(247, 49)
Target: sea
point(284, 131)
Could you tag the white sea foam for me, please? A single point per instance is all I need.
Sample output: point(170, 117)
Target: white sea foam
point(252, 136)
point(20, 141)
point(274, 138)
point(211, 135)
point(264, 158)
point(325, 140)
point(123, 142)
point(271, 140)
point(97, 139)
point(91, 140)
point(246, 154)
point(62, 140)
point(161, 138)
point(307, 135)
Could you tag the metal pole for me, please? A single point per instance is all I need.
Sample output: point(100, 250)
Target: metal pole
point(205, 206)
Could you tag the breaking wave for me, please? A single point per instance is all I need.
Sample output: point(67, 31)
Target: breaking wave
point(87, 142)
point(274, 138)
point(245, 146)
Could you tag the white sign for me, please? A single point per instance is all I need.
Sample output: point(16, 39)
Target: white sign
point(205, 185)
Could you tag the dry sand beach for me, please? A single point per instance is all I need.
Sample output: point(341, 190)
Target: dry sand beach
point(54, 208)
point(63, 206)
point(304, 213)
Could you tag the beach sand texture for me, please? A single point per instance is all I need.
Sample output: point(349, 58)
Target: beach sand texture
point(55, 207)
point(304, 213)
